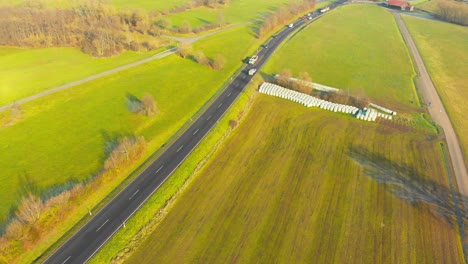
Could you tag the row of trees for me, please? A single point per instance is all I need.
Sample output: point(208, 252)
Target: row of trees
point(283, 15)
point(35, 218)
point(185, 50)
point(95, 27)
point(303, 84)
point(453, 11)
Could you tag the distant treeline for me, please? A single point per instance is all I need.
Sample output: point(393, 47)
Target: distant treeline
point(94, 26)
point(283, 15)
point(453, 11)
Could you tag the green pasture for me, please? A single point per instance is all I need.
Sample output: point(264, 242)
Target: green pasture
point(430, 6)
point(62, 136)
point(443, 47)
point(235, 12)
point(284, 188)
point(25, 72)
point(357, 48)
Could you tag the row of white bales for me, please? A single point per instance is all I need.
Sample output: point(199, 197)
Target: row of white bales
point(309, 101)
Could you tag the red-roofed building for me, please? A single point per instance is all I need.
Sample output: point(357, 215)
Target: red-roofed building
point(401, 4)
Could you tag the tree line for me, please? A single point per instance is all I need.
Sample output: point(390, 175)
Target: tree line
point(95, 27)
point(283, 15)
point(36, 218)
point(453, 11)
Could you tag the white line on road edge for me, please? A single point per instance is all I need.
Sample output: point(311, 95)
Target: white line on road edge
point(180, 148)
point(208, 118)
point(220, 105)
point(159, 168)
point(66, 259)
point(196, 131)
point(134, 194)
point(102, 225)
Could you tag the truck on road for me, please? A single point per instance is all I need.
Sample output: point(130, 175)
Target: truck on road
point(323, 10)
point(253, 59)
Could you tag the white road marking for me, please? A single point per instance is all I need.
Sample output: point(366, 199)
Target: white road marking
point(229, 94)
point(134, 194)
point(195, 131)
point(237, 84)
point(159, 168)
point(66, 259)
point(102, 225)
point(243, 77)
point(208, 118)
point(220, 105)
point(180, 148)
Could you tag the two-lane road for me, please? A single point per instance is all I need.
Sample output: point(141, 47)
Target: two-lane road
point(94, 234)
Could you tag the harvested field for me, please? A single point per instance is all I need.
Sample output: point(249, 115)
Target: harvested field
point(287, 187)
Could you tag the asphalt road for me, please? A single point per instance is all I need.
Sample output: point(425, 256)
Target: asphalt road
point(95, 233)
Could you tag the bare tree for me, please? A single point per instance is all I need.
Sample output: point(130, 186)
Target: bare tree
point(186, 27)
point(200, 57)
point(149, 105)
point(184, 49)
point(30, 209)
point(218, 62)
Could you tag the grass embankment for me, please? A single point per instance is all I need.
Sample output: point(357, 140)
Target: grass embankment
point(25, 72)
point(443, 48)
point(284, 188)
point(430, 6)
point(63, 136)
point(356, 47)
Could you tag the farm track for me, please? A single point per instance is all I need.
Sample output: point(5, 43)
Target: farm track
point(437, 110)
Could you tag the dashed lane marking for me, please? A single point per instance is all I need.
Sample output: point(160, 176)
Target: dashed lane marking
point(102, 225)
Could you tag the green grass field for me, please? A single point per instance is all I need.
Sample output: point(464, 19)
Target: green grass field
point(284, 188)
point(25, 72)
point(366, 56)
point(430, 6)
point(62, 136)
point(443, 47)
point(235, 12)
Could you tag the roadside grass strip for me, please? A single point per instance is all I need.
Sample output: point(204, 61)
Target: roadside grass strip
point(366, 114)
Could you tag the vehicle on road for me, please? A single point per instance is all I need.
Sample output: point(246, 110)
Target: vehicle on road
point(265, 46)
point(252, 71)
point(291, 25)
point(323, 10)
point(253, 59)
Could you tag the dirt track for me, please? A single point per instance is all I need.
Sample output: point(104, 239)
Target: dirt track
point(437, 110)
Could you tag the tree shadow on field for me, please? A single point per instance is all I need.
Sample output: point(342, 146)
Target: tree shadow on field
point(111, 140)
point(404, 182)
point(133, 103)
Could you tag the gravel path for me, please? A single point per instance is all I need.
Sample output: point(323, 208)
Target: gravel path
point(437, 110)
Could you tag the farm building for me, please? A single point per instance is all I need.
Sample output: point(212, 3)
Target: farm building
point(401, 4)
